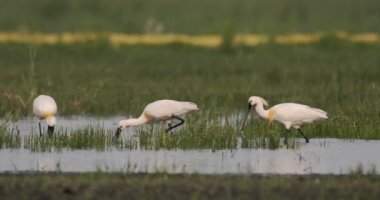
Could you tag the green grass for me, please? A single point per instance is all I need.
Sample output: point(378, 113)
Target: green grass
point(196, 135)
point(191, 16)
point(164, 186)
point(78, 139)
point(96, 79)
point(9, 137)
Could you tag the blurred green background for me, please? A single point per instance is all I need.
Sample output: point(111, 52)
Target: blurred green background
point(190, 16)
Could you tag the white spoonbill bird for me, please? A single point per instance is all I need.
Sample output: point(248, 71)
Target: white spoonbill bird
point(45, 108)
point(289, 114)
point(166, 110)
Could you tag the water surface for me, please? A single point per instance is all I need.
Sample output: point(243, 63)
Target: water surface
point(321, 156)
point(28, 125)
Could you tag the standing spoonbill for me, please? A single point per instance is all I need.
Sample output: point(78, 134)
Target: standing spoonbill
point(289, 114)
point(166, 110)
point(45, 108)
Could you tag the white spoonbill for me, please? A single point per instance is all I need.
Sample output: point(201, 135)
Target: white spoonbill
point(45, 108)
point(166, 110)
point(289, 114)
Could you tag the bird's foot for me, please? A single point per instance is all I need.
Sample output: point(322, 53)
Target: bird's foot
point(286, 141)
point(169, 131)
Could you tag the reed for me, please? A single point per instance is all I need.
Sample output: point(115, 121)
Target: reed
point(87, 138)
point(9, 137)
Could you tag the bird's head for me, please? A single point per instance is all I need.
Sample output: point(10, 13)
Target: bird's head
point(123, 124)
point(254, 100)
point(51, 121)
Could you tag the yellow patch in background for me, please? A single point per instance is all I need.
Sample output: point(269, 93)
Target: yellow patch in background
point(208, 40)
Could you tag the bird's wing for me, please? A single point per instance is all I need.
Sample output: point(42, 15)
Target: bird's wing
point(44, 105)
point(162, 109)
point(293, 112)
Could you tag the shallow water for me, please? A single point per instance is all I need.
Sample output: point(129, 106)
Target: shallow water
point(28, 125)
point(321, 156)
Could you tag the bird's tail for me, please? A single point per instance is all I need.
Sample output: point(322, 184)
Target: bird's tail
point(321, 113)
point(189, 105)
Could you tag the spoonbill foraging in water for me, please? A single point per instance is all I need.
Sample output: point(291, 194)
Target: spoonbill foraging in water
point(165, 110)
point(289, 114)
point(45, 108)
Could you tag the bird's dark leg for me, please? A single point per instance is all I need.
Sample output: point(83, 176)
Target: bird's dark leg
point(179, 124)
point(39, 125)
point(304, 136)
point(169, 127)
point(286, 136)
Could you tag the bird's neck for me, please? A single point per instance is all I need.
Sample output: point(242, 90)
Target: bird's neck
point(261, 111)
point(138, 121)
point(51, 120)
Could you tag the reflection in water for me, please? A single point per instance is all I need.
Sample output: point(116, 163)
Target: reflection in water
point(319, 156)
point(47, 165)
point(26, 126)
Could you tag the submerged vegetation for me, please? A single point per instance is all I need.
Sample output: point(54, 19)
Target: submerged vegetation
point(85, 138)
point(9, 138)
point(198, 133)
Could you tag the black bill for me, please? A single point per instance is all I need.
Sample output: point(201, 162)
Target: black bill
point(118, 131)
point(50, 130)
point(246, 116)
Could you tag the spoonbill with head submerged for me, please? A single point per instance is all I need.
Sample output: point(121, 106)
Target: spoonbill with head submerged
point(45, 108)
point(289, 114)
point(166, 110)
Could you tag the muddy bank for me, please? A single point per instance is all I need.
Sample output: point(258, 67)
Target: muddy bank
point(164, 186)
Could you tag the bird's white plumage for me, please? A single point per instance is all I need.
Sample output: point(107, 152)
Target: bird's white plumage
point(293, 114)
point(163, 109)
point(160, 110)
point(289, 114)
point(44, 107)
